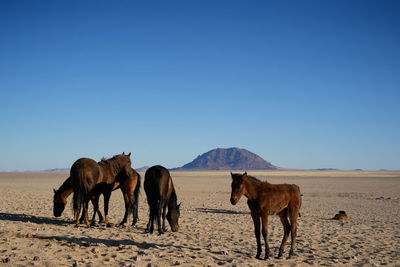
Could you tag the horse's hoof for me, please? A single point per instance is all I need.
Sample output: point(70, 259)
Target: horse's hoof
point(109, 225)
point(258, 257)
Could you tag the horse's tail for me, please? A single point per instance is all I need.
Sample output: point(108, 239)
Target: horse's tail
point(301, 200)
point(137, 189)
point(80, 190)
point(136, 193)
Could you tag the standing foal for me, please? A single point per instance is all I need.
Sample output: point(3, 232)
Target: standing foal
point(265, 199)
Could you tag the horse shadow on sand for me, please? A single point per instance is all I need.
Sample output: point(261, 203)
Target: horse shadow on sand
point(93, 241)
point(26, 218)
point(220, 211)
point(82, 241)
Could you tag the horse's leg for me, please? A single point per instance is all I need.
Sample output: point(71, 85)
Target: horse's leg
point(135, 207)
point(126, 200)
point(164, 213)
point(77, 216)
point(95, 202)
point(101, 218)
point(293, 213)
point(85, 210)
point(256, 220)
point(159, 210)
point(150, 224)
point(82, 219)
point(264, 221)
point(107, 196)
point(286, 230)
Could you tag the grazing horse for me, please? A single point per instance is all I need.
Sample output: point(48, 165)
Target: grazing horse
point(130, 187)
point(265, 199)
point(161, 194)
point(91, 179)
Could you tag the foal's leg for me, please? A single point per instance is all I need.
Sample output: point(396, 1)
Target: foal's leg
point(293, 229)
point(264, 221)
point(256, 220)
point(286, 229)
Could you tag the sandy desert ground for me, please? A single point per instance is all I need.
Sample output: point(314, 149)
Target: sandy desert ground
point(212, 231)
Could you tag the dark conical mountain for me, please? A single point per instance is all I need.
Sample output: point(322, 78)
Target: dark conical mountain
point(228, 159)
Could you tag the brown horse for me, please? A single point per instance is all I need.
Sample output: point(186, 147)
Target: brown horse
point(265, 199)
point(91, 179)
point(130, 187)
point(161, 194)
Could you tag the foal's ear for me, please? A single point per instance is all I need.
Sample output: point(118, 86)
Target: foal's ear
point(129, 154)
point(55, 191)
point(123, 153)
point(244, 174)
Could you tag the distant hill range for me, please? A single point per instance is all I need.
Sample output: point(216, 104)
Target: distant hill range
point(227, 159)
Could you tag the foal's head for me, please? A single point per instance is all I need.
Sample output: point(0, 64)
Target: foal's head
point(237, 187)
point(59, 203)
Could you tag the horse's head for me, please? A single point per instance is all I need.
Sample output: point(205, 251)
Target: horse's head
point(173, 217)
point(124, 161)
point(59, 203)
point(237, 187)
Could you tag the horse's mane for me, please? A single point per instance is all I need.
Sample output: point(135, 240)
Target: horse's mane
point(173, 200)
point(250, 177)
point(65, 185)
point(257, 180)
point(113, 163)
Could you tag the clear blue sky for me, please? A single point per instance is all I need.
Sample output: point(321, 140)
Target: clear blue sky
point(303, 84)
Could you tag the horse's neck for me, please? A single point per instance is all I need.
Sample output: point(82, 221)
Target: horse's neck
point(173, 200)
point(66, 188)
point(252, 188)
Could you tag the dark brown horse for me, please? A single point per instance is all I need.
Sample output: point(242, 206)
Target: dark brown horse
point(161, 194)
point(265, 199)
point(91, 179)
point(129, 185)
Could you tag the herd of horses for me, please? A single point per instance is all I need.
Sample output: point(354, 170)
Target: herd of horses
point(90, 179)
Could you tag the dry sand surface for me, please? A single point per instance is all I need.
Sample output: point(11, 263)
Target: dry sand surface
point(212, 231)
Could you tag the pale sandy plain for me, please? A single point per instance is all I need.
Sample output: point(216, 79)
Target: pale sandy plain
point(212, 231)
